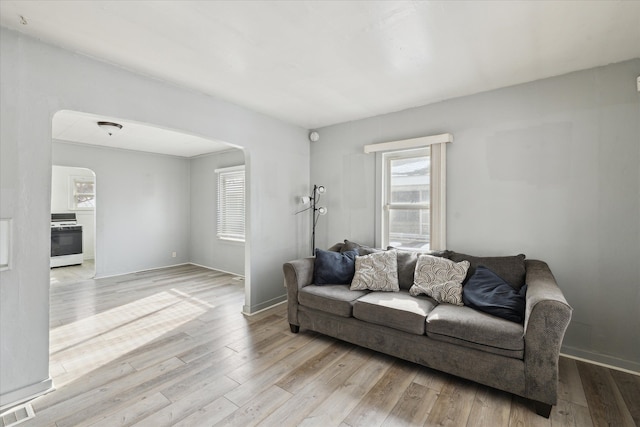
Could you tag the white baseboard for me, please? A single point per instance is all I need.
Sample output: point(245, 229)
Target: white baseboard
point(216, 269)
point(141, 271)
point(24, 394)
point(264, 306)
point(264, 309)
point(602, 360)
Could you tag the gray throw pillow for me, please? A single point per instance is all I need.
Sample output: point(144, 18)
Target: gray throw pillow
point(376, 272)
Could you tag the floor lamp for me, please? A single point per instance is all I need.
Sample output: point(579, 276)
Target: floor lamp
point(316, 211)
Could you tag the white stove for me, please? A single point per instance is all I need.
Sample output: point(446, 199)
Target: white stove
point(66, 240)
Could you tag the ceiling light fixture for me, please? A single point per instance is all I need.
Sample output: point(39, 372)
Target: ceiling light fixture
point(110, 127)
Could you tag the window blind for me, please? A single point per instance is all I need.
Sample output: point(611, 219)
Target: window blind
point(231, 203)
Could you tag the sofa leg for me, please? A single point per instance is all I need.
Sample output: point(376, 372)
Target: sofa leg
point(543, 409)
point(294, 328)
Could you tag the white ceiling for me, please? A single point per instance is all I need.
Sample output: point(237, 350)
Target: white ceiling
point(316, 63)
point(83, 128)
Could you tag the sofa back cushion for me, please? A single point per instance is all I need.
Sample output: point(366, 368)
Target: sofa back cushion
point(407, 260)
point(361, 249)
point(511, 268)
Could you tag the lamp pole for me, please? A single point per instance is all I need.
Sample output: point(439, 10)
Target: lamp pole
point(314, 219)
point(316, 211)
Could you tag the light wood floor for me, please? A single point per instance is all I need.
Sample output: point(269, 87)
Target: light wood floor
point(170, 347)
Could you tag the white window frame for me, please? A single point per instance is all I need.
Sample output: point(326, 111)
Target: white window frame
point(437, 205)
point(73, 202)
point(6, 244)
point(230, 225)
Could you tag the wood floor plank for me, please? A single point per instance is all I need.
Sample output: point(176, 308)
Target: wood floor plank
point(523, 414)
point(251, 388)
point(139, 409)
point(378, 403)
point(413, 407)
point(255, 410)
point(431, 378)
point(491, 407)
point(569, 383)
point(257, 366)
point(317, 390)
point(569, 414)
point(310, 369)
point(216, 366)
point(209, 414)
point(333, 410)
point(89, 405)
point(453, 406)
point(606, 405)
point(189, 404)
point(67, 388)
point(629, 386)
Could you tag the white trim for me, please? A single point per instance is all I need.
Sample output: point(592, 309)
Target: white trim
point(141, 271)
point(604, 365)
point(437, 204)
point(6, 240)
point(438, 208)
point(230, 169)
point(264, 309)
point(216, 269)
point(405, 144)
point(24, 394)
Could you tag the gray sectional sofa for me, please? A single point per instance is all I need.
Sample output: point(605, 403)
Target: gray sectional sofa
point(518, 358)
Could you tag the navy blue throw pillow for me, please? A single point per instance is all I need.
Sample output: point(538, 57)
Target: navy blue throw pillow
point(334, 268)
point(488, 292)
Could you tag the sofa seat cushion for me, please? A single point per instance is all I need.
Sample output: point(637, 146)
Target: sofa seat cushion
point(474, 329)
point(335, 299)
point(397, 310)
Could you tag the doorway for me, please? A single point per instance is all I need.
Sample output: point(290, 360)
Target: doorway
point(73, 201)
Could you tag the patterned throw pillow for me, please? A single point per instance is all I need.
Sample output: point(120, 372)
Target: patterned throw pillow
point(439, 278)
point(376, 272)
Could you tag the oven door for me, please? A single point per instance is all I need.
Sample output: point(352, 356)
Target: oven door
point(66, 240)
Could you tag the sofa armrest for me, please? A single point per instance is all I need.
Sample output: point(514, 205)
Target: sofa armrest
point(297, 274)
point(547, 316)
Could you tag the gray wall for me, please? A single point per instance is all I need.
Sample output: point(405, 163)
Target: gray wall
point(36, 81)
point(143, 206)
point(549, 168)
point(204, 246)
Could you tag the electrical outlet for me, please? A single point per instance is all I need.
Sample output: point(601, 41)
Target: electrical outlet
point(174, 254)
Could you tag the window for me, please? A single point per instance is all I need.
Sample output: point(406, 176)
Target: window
point(411, 193)
point(83, 193)
point(406, 218)
point(231, 203)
